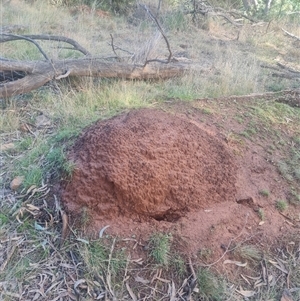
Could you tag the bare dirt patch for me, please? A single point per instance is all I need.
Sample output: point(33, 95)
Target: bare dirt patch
point(177, 171)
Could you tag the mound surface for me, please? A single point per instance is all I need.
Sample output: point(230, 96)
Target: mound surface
point(147, 164)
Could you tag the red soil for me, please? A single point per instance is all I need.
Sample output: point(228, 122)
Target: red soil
point(149, 164)
point(148, 170)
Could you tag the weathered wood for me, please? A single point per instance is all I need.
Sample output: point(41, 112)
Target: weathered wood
point(290, 34)
point(38, 73)
point(41, 72)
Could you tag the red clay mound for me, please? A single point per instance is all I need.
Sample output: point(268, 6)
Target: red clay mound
point(148, 164)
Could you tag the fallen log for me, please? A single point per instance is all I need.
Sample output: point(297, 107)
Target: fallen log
point(38, 73)
point(18, 77)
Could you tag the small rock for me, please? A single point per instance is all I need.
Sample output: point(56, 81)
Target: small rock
point(16, 182)
point(7, 146)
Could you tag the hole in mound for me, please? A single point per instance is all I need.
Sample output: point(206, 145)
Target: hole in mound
point(147, 164)
point(168, 216)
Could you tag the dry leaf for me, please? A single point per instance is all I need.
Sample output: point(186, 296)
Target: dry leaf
point(32, 207)
point(83, 240)
point(7, 146)
point(138, 261)
point(131, 293)
point(30, 189)
point(173, 292)
point(259, 283)
point(240, 264)
point(253, 278)
point(246, 293)
point(141, 280)
point(102, 231)
point(245, 279)
point(261, 223)
point(279, 266)
point(163, 280)
point(77, 283)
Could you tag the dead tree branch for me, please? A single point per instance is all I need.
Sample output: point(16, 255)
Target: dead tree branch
point(204, 8)
point(45, 37)
point(26, 38)
point(290, 34)
point(21, 77)
point(162, 33)
point(283, 71)
point(113, 46)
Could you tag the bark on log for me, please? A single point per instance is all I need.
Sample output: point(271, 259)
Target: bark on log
point(39, 73)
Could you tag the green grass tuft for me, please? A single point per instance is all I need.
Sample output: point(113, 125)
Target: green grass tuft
point(248, 252)
point(160, 244)
point(281, 205)
point(261, 214)
point(178, 265)
point(294, 197)
point(211, 288)
point(264, 192)
point(98, 258)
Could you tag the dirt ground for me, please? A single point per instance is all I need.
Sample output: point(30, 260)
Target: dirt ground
point(185, 169)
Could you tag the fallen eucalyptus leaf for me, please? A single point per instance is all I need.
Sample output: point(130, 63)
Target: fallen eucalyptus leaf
point(246, 293)
point(7, 146)
point(141, 280)
point(131, 293)
point(32, 207)
point(240, 264)
point(83, 240)
point(102, 231)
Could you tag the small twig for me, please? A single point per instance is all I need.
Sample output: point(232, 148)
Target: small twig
point(234, 12)
point(228, 247)
point(63, 75)
point(29, 130)
point(292, 221)
point(288, 68)
point(265, 273)
point(162, 33)
point(113, 46)
point(192, 283)
point(269, 23)
point(125, 277)
point(108, 278)
point(227, 18)
point(116, 48)
point(9, 255)
point(158, 8)
point(64, 218)
point(192, 268)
